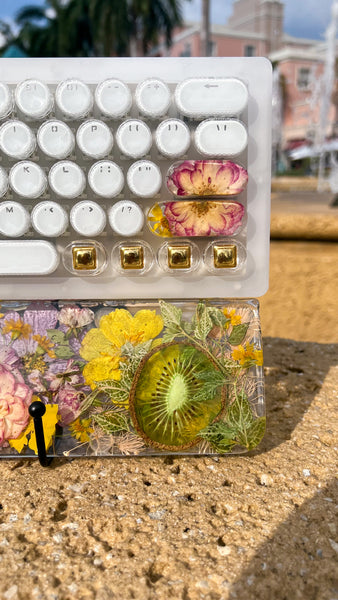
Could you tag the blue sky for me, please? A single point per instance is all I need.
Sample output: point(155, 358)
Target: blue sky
point(304, 18)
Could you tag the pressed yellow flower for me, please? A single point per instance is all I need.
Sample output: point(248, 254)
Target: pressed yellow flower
point(243, 354)
point(233, 318)
point(80, 429)
point(17, 328)
point(45, 343)
point(160, 222)
point(101, 347)
point(49, 419)
point(31, 361)
point(101, 368)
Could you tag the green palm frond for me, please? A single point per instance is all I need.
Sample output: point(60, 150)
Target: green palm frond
point(96, 27)
point(29, 14)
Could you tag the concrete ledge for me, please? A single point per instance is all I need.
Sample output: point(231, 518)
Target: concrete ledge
point(296, 184)
point(310, 226)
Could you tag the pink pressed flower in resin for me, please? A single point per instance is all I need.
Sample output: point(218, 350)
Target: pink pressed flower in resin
point(206, 178)
point(69, 400)
point(203, 218)
point(15, 398)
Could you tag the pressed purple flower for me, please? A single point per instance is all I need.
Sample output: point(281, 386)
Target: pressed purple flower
point(8, 356)
point(207, 178)
point(41, 317)
point(39, 321)
point(35, 381)
point(63, 372)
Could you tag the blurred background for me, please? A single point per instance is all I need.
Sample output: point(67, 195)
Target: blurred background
point(300, 39)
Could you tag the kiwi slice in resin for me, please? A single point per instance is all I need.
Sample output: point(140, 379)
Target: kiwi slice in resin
point(162, 400)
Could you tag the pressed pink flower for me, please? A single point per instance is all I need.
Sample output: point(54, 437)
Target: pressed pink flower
point(74, 317)
point(207, 178)
point(69, 400)
point(15, 398)
point(203, 218)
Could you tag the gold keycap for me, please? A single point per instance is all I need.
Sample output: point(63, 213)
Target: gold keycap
point(132, 257)
point(225, 256)
point(84, 258)
point(179, 257)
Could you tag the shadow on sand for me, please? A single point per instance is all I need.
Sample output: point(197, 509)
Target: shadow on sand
point(294, 373)
point(300, 561)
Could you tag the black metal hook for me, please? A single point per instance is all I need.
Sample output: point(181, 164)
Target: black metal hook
point(36, 410)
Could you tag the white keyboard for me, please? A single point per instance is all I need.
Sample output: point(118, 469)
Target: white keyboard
point(134, 178)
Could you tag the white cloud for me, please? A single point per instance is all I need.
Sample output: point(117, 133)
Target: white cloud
point(315, 17)
point(50, 13)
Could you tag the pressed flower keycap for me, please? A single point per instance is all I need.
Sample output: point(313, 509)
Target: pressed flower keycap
point(206, 178)
point(202, 218)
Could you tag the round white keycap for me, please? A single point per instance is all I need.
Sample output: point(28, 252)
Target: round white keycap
point(144, 178)
point(172, 138)
point(14, 219)
point(126, 218)
point(56, 139)
point(27, 179)
point(134, 138)
point(94, 139)
point(106, 179)
point(17, 139)
point(3, 182)
point(67, 179)
point(6, 101)
point(33, 98)
point(113, 98)
point(153, 97)
point(74, 98)
point(88, 218)
point(226, 137)
point(49, 219)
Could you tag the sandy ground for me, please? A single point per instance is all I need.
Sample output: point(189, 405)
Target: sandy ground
point(301, 303)
point(261, 526)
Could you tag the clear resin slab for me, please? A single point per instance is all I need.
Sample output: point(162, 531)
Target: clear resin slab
point(131, 378)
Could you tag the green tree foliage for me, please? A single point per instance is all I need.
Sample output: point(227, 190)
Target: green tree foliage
point(93, 27)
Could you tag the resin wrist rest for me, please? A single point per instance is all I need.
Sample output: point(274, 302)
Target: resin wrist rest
point(131, 377)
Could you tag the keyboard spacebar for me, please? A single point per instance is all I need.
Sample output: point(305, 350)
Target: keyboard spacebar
point(27, 257)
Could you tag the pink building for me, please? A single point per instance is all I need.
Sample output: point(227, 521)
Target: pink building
point(265, 17)
point(301, 71)
point(255, 28)
point(224, 42)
